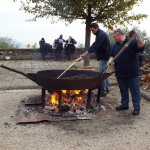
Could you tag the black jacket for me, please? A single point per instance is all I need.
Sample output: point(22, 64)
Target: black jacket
point(72, 41)
point(101, 46)
point(126, 64)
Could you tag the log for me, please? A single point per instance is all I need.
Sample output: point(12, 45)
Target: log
point(145, 95)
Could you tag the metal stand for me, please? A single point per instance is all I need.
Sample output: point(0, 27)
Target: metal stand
point(60, 101)
point(98, 95)
point(88, 105)
point(43, 98)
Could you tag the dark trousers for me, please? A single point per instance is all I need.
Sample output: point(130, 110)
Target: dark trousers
point(105, 83)
point(69, 52)
point(58, 53)
point(132, 84)
point(43, 56)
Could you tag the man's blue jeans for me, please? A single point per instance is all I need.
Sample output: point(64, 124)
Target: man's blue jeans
point(102, 66)
point(132, 84)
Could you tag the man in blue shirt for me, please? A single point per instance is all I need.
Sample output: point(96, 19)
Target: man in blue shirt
point(59, 47)
point(101, 47)
point(127, 69)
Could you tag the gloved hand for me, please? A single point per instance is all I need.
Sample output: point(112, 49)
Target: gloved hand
point(136, 34)
point(139, 39)
point(110, 62)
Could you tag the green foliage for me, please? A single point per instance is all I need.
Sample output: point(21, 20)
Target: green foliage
point(107, 12)
point(80, 45)
point(8, 43)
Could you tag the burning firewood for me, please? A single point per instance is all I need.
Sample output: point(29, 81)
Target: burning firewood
point(71, 100)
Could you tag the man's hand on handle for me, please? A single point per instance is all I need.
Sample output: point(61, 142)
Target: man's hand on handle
point(79, 59)
point(140, 39)
point(137, 34)
point(82, 56)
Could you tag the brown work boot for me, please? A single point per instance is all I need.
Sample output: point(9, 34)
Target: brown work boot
point(121, 107)
point(136, 111)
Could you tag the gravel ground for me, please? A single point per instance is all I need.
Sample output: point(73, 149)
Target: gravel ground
point(109, 132)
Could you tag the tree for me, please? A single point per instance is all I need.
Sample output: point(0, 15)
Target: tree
point(106, 12)
point(28, 46)
point(8, 43)
point(34, 45)
point(147, 44)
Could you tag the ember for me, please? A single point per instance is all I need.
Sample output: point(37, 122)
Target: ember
point(72, 100)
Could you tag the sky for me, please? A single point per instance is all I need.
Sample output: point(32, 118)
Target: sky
point(14, 24)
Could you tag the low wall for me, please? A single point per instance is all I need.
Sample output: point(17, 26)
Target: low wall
point(31, 54)
point(18, 54)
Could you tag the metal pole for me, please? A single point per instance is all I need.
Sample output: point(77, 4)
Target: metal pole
point(88, 105)
point(66, 70)
point(43, 98)
point(122, 49)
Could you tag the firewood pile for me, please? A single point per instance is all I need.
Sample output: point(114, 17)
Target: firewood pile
point(145, 71)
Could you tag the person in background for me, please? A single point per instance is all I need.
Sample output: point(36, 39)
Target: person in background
point(48, 48)
point(70, 47)
point(127, 69)
point(59, 47)
point(42, 48)
point(101, 47)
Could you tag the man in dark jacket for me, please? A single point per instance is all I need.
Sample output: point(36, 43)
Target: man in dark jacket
point(101, 47)
point(43, 49)
point(127, 69)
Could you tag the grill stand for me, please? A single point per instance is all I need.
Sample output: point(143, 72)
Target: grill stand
point(60, 101)
point(43, 97)
point(88, 105)
point(98, 95)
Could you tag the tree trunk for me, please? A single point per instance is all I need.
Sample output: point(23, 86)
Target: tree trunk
point(87, 42)
point(87, 35)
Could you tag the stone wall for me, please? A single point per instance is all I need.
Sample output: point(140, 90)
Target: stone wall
point(18, 54)
point(31, 54)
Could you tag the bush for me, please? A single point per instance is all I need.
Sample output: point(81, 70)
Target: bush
point(8, 43)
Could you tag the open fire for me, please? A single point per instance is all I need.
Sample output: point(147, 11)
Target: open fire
point(72, 100)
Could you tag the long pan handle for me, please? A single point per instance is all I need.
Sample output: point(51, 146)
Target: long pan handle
point(13, 70)
point(66, 70)
point(122, 49)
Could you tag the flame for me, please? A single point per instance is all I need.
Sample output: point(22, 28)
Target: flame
point(64, 91)
point(54, 99)
point(77, 91)
point(71, 98)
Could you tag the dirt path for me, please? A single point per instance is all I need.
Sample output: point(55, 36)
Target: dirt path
point(109, 132)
